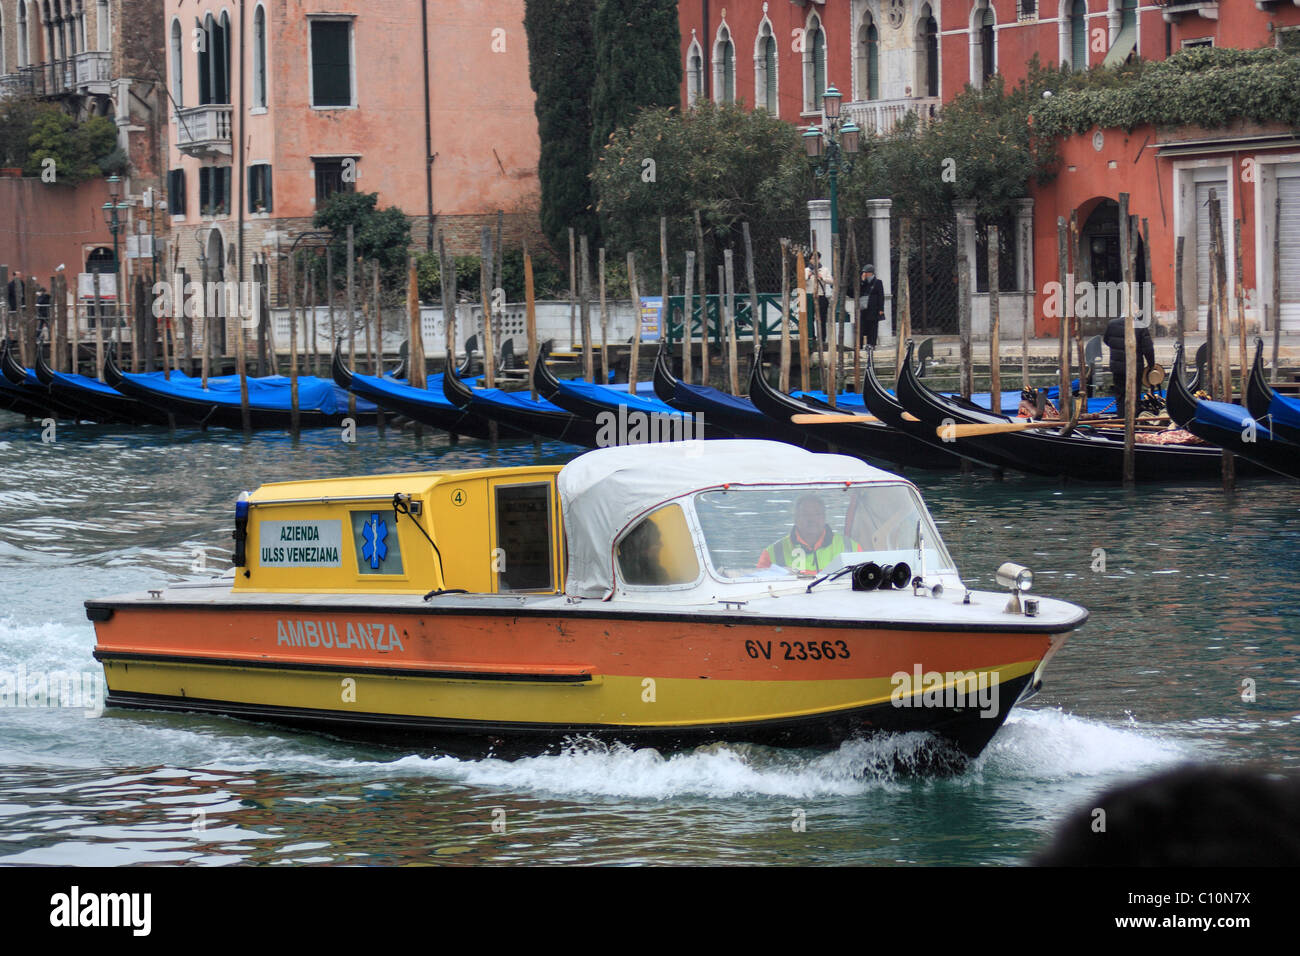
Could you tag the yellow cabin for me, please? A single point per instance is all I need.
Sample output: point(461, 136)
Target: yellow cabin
point(404, 533)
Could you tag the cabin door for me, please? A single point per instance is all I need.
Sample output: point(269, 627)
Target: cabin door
point(525, 547)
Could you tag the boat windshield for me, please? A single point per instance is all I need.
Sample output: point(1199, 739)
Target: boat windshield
point(792, 531)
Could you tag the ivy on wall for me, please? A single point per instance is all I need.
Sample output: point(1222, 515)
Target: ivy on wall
point(1203, 86)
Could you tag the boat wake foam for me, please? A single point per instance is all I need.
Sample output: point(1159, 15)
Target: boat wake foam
point(1049, 744)
point(1044, 745)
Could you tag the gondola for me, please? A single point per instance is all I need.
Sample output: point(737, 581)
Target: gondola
point(22, 392)
point(428, 406)
point(321, 403)
point(518, 414)
point(1086, 454)
point(736, 414)
point(1281, 412)
point(1230, 426)
point(870, 441)
point(94, 401)
point(880, 403)
point(616, 416)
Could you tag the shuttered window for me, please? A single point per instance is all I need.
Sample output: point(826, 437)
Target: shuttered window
point(1079, 35)
point(931, 57)
point(259, 57)
point(988, 42)
point(1288, 198)
point(873, 63)
point(221, 60)
point(769, 74)
point(205, 62)
point(726, 54)
point(331, 63)
point(259, 187)
point(214, 190)
point(818, 66)
point(176, 192)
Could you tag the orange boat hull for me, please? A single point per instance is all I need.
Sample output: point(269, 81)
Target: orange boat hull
point(492, 676)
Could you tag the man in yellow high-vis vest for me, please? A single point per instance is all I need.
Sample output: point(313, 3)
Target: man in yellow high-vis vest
point(811, 545)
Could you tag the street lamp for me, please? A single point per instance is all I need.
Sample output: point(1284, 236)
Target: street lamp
point(832, 148)
point(111, 209)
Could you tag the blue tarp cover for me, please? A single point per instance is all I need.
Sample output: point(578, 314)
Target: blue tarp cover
point(269, 392)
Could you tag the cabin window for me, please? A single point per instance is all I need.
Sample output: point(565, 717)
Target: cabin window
point(659, 551)
point(786, 531)
point(522, 559)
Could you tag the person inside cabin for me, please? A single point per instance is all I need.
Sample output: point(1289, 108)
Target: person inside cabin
point(638, 555)
point(811, 544)
point(1146, 353)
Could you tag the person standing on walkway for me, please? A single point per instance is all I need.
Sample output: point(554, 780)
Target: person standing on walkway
point(818, 279)
point(17, 291)
point(873, 311)
point(43, 301)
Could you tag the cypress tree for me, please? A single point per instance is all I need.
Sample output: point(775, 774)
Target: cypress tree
point(561, 70)
point(638, 63)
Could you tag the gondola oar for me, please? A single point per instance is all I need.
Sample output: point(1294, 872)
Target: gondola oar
point(813, 418)
point(998, 428)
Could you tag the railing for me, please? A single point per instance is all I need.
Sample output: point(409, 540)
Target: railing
point(203, 127)
point(86, 72)
point(769, 313)
point(879, 117)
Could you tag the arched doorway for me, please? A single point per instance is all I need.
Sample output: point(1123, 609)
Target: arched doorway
point(1099, 255)
point(101, 260)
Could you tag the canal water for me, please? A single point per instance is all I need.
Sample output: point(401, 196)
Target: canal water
point(1193, 595)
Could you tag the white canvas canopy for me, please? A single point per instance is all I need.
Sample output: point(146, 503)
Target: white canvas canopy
point(604, 491)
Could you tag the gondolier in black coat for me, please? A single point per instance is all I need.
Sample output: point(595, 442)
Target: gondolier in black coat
point(1146, 353)
point(17, 291)
point(873, 311)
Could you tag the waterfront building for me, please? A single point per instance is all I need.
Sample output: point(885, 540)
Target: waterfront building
point(90, 58)
point(892, 57)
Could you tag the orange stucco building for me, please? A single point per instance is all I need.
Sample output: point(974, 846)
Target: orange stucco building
point(279, 104)
point(891, 57)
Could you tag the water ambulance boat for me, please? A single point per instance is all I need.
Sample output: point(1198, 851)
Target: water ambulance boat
point(651, 594)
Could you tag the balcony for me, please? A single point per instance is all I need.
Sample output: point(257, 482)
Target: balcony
point(15, 84)
point(879, 117)
point(1173, 10)
point(93, 71)
point(85, 73)
point(204, 130)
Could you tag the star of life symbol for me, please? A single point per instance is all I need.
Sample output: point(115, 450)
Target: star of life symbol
point(374, 547)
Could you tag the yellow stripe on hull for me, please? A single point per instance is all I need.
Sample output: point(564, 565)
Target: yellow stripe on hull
point(604, 700)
